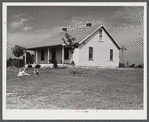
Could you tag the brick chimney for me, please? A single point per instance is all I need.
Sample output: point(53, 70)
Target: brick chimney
point(88, 24)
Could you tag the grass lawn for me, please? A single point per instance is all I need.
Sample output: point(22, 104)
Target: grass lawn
point(78, 88)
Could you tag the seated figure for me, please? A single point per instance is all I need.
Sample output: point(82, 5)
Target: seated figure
point(22, 73)
point(36, 72)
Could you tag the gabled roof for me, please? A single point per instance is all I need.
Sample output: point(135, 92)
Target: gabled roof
point(80, 36)
point(101, 26)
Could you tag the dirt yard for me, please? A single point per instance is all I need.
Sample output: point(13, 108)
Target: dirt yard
point(78, 88)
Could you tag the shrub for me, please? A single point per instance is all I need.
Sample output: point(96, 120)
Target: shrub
point(29, 58)
point(140, 66)
point(55, 63)
point(9, 62)
point(30, 66)
point(14, 62)
point(72, 63)
point(37, 66)
point(51, 61)
point(121, 65)
point(133, 65)
point(21, 63)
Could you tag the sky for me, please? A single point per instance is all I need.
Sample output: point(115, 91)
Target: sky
point(31, 24)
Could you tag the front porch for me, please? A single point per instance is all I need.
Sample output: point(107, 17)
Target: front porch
point(45, 55)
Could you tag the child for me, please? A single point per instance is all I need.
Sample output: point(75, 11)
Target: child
point(22, 73)
point(36, 72)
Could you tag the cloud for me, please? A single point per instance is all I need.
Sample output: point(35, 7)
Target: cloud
point(21, 16)
point(128, 15)
point(20, 22)
point(16, 25)
point(27, 28)
point(33, 36)
point(25, 39)
point(39, 13)
point(131, 36)
point(18, 16)
point(49, 31)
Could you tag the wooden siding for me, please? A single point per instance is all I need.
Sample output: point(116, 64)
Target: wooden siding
point(101, 51)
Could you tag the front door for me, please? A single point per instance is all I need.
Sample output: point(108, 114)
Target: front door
point(66, 53)
point(53, 53)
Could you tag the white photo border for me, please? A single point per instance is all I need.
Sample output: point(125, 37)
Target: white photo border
point(9, 114)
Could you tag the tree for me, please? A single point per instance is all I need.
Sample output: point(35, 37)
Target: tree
point(9, 62)
point(18, 51)
point(29, 58)
point(69, 43)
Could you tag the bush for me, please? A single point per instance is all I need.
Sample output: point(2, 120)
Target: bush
point(30, 66)
point(140, 66)
point(37, 66)
point(14, 62)
point(55, 63)
point(72, 63)
point(21, 63)
point(51, 61)
point(29, 58)
point(133, 65)
point(9, 62)
point(121, 65)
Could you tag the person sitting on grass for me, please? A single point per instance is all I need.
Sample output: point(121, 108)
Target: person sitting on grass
point(22, 73)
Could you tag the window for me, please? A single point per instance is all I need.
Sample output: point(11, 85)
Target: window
point(111, 55)
point(42, 54)
point(90, 53)
point(100, 35)
point(66, 53)
point(100, 31)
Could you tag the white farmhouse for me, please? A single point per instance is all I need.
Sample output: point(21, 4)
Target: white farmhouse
point(96, 48)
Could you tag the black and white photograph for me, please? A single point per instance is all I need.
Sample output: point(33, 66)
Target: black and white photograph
point(74, 60)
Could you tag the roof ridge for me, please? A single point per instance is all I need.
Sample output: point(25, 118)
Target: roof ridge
point(87, 30)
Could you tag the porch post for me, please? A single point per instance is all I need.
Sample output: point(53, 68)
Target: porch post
point(48, 56)
point(62, 54)
point(36, 56)
point(25, 58)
